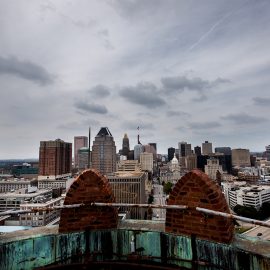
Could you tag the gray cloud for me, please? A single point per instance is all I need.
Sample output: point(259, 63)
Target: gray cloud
point(181, 83)
point(26, 70)
point(74, 125)
point(177, 113)
point(144, 94)
point(261, 101)
point(204, 125)
point(134, 124)
point(243, 118)
point(100, 91)
point(91, 107)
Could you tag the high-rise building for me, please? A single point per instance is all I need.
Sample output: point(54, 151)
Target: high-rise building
point(197, 150)
point(184, 149)
point(267, 152)
point(125, 146)
point(240, 157)
point(171, 152)
point(104, 152)
point(153, 150)
point(207, 148)
point(55, 158)
point(83, 155)
point(79, 142)
point(212, 168)
point(129, 187)
point(146, 160)
point(138, 149)
point(224, 150)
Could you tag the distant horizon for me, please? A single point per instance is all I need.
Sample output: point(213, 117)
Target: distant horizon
point(180, 70)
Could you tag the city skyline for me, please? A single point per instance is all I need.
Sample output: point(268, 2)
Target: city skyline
point(181, 70)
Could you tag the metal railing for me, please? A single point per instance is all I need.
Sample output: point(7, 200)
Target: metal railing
point(175, 207)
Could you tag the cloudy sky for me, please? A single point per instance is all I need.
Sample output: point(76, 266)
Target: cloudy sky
point(181, 70)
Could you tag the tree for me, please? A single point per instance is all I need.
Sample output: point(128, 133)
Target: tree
point(167, 187)
point(246, 211)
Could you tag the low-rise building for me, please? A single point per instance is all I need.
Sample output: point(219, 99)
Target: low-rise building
point(13, 201)
point(40, 218)
point(239, 193)
point(11, 184)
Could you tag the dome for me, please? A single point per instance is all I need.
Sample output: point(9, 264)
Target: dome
point(174, 160)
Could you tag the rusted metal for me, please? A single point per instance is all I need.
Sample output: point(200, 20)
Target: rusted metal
point(232, 216)
point(176, 207)
point(161, 206)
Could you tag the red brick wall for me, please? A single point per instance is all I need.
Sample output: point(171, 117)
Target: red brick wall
point(196, 189)
point(90, 186)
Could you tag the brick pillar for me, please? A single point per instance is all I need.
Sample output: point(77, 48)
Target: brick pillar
point(90, 186)
point(196, 189)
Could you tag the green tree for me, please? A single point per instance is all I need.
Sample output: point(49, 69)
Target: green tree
point(167, 187)
point(246, 211)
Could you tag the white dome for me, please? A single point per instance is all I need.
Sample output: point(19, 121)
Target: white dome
point(174, 160)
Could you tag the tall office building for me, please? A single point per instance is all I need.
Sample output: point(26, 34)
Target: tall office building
point(198, 150)
point(138, 149)
point(240, 157)
point(171, 152)
point(153, 150)
point(207, 148)
point(184, 149)
point(125, 146)
point(224, 150)
point(83, 155)
point(212, 167)
point(79, 142)
point(104, 152)
point(267, 152)
point(146, 161)
point(129, 187)
point(55, 158)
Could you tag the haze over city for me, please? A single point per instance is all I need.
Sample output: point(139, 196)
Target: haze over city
point(180, 70)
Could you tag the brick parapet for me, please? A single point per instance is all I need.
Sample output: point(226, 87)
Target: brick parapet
point(196, 189)
point(89, 187)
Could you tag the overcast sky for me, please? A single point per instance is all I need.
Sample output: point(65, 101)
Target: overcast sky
point(181, 70)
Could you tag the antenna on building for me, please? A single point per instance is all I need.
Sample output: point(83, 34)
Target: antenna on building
point(89, 142)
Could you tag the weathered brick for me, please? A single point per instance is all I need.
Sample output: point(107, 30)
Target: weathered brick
point(197, 189)
point(89, 187)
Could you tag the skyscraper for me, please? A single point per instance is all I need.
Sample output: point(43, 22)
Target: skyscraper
point(104, 152)
point(79, 142)
point(207, 148)
point(55, 158)
point(125, 146)
point(184, 149)
point(198, 150)
point(171, 152)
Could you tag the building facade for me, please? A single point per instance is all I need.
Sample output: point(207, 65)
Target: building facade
point(212, 167)
point(104, 152)
point(129, 187)
point(40, 218)
point(207, 148)
point(240, 157)
point(171, 152)
point(147, 161)
point(246, 195)
point(83, 156)
point(55, 158)
point(79, 142)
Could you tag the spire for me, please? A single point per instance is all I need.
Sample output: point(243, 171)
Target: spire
point(138, 135)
